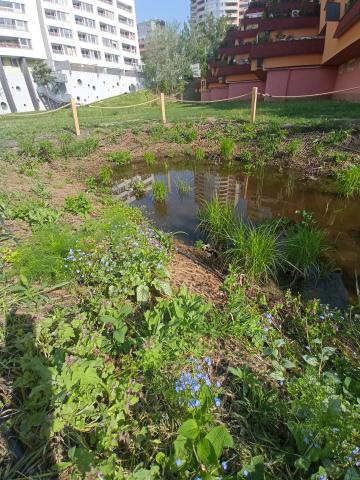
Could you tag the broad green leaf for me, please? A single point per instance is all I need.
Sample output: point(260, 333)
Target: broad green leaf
point(142, 293)
point(352, 474)
point(220, 438)
point(313, 361)
point(206, 452)
point(189, 429)
point(161, 458)
point(303, 463)
point(327, 352)
point(254, 469)
point(119, 334)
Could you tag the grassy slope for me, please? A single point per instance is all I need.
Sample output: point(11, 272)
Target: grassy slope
point(315, 113)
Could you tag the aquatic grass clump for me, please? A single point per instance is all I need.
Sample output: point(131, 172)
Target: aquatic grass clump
point(349, 181)
point(183, 187)
point(159, 192)
point(138, 187)
point(227, 147)
point(257, 250)
point(105, 175)
point(121, 158)
point(305, 246)
point(217, 221)
point(150, 158)
point(199, 154)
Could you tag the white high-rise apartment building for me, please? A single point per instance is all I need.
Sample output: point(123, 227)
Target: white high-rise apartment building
point(232, 9)
point(92, 47)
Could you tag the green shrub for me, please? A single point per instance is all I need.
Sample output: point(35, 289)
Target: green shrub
point(293, 147)
point(138, 187)
point(245, 156)
point(227, 147)
point(159, 191)
point(77, 204)
point(35, 212)
point(150, 158)
point(120, 158)
point(256, 250)
point(349, 181)
point(217, 221)
point(305, 246)
point(199, 154)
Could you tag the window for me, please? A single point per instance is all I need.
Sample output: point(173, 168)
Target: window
point(108, 42)
point(24, 43)
point(86, 53)
point(60, 32)
point(104, 27)
point(332, 12)
point(56, 15)
point(109, 2)
point(123, 6)
point(127, 34)
point(87, 37)
point(110, 57)
point(13, 24)
point(126, 20)
point(86, 22)
point(12, 6)
point(58, 2)
point(105, 13)
point(63, 49)
point(130, 61)
point(86, 7)
point(129, 48)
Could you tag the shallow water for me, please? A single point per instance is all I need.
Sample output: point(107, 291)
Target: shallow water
point(264, 194)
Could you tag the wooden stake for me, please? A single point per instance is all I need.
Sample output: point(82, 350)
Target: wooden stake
point(75, 115)
point(163, 110)
point(254, 104)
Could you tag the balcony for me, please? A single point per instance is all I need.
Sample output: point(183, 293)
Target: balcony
point(307, 8)
point(287, 48)
point(241, 34)
point(287, 23)
point(231, 51)
point(225, 70)
point(349, 19)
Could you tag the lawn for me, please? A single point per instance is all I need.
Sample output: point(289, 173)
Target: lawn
point(319, 114)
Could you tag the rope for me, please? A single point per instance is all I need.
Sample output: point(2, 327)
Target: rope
point(21, 115)
point(310, 95)
point(211, 101)
point(127, 106)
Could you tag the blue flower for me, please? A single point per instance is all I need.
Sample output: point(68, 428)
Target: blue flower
point(217, 402)
point(357, 463)
point(218, 384)
point(224, 466)
point(356, 451)
point(323, 477)
point(266, 329)
point(207, 360)
point(245, 473)
point(178, 462)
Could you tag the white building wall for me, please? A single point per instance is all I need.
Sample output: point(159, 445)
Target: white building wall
point(90, 76)
point(232, 9)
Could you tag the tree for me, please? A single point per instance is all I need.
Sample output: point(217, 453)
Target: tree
point(42, 74)
point(165, 61)
point(201, 40)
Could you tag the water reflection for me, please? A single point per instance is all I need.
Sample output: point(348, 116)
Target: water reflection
point(265, 194)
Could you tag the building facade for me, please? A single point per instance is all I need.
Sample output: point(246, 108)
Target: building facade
point(145, 29)
point(91, 46)
point(290, 49)
point(234, 10)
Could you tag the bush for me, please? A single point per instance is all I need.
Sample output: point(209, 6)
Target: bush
point(138, 187)
point(227, 147)
point(78, 204)
point(119, 158)
point(159, 191)
point(349, 181)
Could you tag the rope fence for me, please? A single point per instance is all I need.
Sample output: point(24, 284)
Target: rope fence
point(254, 93)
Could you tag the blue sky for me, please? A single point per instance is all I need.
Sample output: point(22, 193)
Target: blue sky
point(164, 9)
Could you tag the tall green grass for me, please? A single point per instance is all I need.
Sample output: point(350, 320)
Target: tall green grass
point(159, 192)
point(305, 246)
point(349, 181)
point(227, 148)
point(217, 221)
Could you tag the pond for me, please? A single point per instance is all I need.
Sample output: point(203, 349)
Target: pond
point(264, 194)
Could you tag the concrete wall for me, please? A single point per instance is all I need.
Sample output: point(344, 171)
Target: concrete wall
point(348, 76)
point(301, 81)
point(236, 89)
point(219, 93)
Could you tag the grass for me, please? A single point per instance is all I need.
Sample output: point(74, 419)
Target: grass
point(319, 114)
point(200, 154)
point(121, 158)
point(227, 147)
point(78, 204)
point(150, 158)
point(217, 220)
point(159, 191)
point(349, 181)
point(183, 187)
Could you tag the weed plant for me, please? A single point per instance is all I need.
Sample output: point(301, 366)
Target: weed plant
point(199, 154)
point(138, 187)
point(349, 181)
point(78, 204)
point(227, 147)
point(159, 192)
point(119, 158)
point(218, 221)
point(292, 148)
point(150, 158)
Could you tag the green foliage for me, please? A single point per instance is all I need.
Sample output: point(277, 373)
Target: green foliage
point(217, 221)
point(349, 181)
point(41, 191)
point(178, 133)
point(45, 151)
point(42, 74)
point(200, 155)
point(34, 212)
point(337, 157)
point(78, 204)
point(159, 191)
point(227, 147)
point(183, 187)
point(305, 246)
point(245, 156)
point(138, 187)
point(150, 158)
point(293, 147)
point(120, 158)
point(105, 175)
point(337, 137)
point(317, 149)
